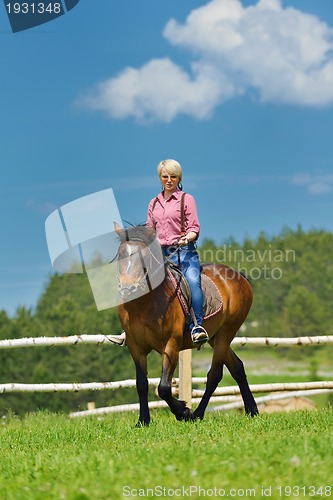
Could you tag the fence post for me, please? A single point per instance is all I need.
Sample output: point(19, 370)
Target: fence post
point(185, 376)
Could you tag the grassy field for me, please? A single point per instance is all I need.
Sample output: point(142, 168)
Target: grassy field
point(48, 456)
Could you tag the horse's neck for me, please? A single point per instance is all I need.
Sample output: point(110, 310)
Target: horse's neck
point(158, 295)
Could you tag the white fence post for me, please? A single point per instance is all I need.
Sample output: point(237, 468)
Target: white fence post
point(185, 376)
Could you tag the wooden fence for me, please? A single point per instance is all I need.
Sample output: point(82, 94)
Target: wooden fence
point(183, 386)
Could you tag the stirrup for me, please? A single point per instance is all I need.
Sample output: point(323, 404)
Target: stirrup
point(199, 335)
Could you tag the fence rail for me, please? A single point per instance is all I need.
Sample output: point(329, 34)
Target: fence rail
point(114, 339)
point(220, 391)
point(229, 403)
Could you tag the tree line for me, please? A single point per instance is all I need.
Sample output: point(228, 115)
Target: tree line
point(292, 279)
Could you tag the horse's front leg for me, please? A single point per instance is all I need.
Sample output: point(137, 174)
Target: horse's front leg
point(169, 362)
point(214, 376)
point(142, 389)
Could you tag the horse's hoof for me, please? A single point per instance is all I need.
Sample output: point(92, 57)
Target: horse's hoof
point(186, 416)
point(196, 417)
point(252, 413)
point(143, 423)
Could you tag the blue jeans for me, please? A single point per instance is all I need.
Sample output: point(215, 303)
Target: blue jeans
point(188, 259)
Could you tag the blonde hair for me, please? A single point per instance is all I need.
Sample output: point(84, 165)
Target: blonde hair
point(172, 167)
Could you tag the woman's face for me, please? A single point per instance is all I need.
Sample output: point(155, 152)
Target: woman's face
point(169, 181)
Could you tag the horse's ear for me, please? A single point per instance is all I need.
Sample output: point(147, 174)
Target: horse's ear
point(119, 230)
point(151, 231)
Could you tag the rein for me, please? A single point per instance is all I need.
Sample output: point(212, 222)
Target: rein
point(146, 278)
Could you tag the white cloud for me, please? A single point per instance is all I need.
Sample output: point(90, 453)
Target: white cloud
point(283, 54)
point(315, 184)
point(158, 90)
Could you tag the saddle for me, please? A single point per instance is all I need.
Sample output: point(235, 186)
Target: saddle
point(213, 302)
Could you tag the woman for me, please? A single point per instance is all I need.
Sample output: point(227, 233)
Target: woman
point(177, 235)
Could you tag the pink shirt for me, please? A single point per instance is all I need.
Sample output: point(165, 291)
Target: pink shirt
point(166, 217)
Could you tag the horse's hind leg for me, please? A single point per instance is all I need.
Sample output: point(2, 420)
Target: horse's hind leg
point(169, 363)
point(236, 368)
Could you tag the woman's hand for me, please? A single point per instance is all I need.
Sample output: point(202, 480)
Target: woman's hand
point(188, 238)
point(183, 240)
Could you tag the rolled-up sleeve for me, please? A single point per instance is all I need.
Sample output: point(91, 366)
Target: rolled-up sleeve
point(191, 215)
point(150, 222)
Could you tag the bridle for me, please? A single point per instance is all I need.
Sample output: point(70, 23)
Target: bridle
point(146, 279)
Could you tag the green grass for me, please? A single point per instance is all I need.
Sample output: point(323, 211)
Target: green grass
point(48, 456)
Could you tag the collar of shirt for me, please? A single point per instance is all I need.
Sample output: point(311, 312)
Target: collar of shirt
point(175, 195)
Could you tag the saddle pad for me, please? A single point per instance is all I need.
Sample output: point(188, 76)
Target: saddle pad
point(213, 302)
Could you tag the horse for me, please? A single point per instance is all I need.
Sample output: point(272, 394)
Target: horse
point(155, 320)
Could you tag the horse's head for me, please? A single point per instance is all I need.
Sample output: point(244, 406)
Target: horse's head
point(136, 260)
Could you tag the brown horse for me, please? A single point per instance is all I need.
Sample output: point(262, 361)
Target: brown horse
point(156, 321)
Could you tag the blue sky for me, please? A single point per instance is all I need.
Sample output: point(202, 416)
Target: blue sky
point(240, 93)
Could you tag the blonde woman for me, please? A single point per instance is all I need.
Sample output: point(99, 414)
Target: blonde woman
point(177, 229)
